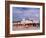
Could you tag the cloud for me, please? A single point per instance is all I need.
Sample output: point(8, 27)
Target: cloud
point(23, 13)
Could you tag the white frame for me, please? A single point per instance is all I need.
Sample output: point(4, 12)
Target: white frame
point(27, 31)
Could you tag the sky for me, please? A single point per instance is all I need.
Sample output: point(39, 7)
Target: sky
point(20, 13)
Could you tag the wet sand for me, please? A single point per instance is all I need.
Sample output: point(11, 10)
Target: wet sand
point(17, 27)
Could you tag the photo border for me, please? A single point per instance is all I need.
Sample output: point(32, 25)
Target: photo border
point(27, 31)
point(7, 18)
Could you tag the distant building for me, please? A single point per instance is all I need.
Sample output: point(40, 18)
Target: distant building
point(35, 21)
point(26, 21)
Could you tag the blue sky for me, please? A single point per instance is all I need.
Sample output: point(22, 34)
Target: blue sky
point(20, 13)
